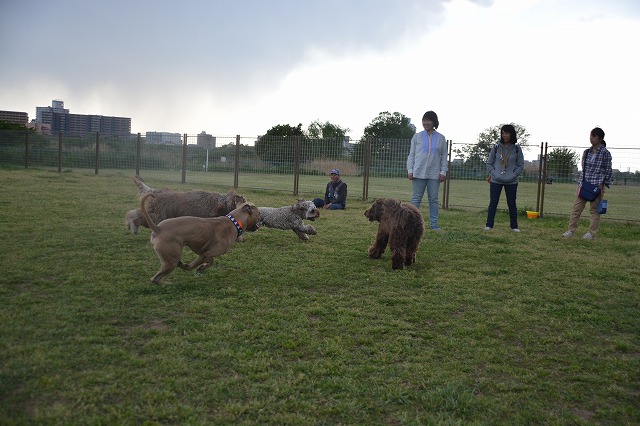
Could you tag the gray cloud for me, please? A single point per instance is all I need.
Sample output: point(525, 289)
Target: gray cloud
point(240, 44)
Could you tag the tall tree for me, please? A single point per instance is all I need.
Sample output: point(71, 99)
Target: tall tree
point(487, 138)
point(390, 126)
point(285, 130)
point(325, 140)
point(562, 162)
point(278, 144)
point(326, 130)
point(390, 135)
point(5, 125)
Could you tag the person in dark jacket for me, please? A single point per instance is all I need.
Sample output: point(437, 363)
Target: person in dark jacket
point(505, 164)
point(335, 196)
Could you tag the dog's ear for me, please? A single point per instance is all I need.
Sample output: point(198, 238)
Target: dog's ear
point(390, 202)
point(248, 209)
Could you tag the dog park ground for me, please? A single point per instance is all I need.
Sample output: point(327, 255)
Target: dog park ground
point(485, 328)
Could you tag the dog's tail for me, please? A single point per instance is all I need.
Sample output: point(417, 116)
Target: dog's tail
point(143, 201)
point(143, 188)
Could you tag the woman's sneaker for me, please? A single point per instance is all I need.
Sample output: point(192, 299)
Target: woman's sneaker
point(568, 234)
point(588, 236)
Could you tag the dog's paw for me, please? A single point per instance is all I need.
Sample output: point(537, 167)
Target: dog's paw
point(303, 236)
point(375, 254)
point(202, 268)
point(131, 226)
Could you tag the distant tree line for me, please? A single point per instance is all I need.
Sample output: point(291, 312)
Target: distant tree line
point(388, 136)
point(5, 125)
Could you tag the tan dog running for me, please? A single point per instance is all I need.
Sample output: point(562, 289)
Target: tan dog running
point(207, 237)
point(169, 204)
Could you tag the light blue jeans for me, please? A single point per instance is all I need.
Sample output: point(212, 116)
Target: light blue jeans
point(432, 186)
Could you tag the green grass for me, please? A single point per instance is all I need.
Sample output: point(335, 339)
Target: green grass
point(486, 328)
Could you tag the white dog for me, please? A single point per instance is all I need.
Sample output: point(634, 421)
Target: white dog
point(290, 217)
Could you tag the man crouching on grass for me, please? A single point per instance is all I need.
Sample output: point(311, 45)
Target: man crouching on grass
point(335, 196)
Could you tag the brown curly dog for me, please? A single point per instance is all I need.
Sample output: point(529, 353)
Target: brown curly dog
point(401, 227)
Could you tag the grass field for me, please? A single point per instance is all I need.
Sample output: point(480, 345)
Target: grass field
point(486, 328)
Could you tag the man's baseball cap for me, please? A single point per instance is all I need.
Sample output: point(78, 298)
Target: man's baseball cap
point(335, 172)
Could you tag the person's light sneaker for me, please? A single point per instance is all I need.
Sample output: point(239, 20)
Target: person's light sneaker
point(515, 230)
point(588, 236)
point(487, 228)
point(567, 234)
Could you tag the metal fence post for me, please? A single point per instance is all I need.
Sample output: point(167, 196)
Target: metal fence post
point(138, 155)
point(296, 165)
point(236, 163)
point(447, 181)
point(97, 150)
point(539, 177)
point(26, 149)
point(184, 159)
point(59, 152)
point(366, 166)
point(544, 179)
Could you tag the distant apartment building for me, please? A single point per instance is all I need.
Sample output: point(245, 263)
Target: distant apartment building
point(165, 138)
point(206, 141)
point(58, 119)
point(14, 117)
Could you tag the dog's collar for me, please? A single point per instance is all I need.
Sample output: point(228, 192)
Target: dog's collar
point(238, 224)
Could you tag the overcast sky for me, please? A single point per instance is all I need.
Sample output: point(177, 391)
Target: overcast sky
point(558, 67)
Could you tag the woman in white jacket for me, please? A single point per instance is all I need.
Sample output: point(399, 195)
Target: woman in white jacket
point(427, 165)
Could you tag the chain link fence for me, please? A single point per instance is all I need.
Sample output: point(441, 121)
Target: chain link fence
point(372, 168)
